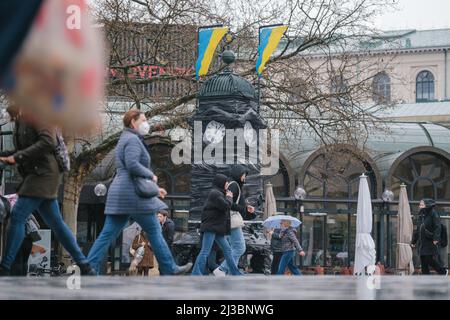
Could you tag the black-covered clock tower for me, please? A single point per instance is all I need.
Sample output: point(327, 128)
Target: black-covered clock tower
point(225, 101)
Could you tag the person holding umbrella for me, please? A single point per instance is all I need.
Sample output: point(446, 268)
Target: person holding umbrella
point(289, 241)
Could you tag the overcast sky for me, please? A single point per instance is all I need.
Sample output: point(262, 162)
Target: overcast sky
point(417, 14)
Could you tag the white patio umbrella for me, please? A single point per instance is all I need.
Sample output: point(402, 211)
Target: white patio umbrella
point(270, 204)
point(404, 233)
point(365, 246)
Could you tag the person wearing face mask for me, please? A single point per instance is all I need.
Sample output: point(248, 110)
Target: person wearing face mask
point(427, 237)
point(215, 225)
point(122, 202)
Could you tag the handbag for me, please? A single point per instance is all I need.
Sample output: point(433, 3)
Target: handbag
point(235, 216)
point(145, 188)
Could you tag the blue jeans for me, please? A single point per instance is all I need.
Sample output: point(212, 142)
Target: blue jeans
point(49, 212)
point(207, 243)
point(287, 260)
point(237, 243)
point(114, 224)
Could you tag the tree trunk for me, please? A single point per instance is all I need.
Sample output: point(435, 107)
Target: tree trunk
point(73, 182)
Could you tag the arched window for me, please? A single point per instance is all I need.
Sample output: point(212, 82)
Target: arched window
point(382, 88)
point(425, 87)
point(176, 179)
point(426, 175)
point(336, 175)
point(280, 182)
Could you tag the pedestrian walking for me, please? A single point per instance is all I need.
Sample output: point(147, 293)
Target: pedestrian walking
point(290, 246)
point(35, 156)
point(147, 262)
point(427, 237)
point(215, 224)
point(240, 211)
point(123, 202)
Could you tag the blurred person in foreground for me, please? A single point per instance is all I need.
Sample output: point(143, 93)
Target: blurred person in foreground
point(36, 161)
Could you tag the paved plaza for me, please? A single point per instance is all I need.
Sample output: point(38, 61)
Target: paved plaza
point(230, 288)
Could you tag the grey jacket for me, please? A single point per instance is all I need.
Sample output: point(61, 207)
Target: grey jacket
point(132, 160)
point(289, 240)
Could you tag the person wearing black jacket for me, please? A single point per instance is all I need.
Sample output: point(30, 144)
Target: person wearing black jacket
point(168, 227)
point(236, 238)
point(277, 249)
point(215, 225)
point(427, 236)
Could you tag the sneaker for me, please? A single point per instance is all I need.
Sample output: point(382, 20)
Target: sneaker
point(183, 269)
point(219, 273)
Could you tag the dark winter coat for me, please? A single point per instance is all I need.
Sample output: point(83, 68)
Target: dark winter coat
point(235, 174)
point(36, 161)
point(216, 212)
point(428, 230)
point(275, 241)
point(168, 231)
point(132, 160)
point(289, 240)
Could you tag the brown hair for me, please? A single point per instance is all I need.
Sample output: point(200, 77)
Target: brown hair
point(132, 114)
point(13, 111)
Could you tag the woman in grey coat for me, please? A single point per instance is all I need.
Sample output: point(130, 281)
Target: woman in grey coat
point(122, 202)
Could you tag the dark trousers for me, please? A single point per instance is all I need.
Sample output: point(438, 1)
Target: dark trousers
point(275, 262)
point(431, 261)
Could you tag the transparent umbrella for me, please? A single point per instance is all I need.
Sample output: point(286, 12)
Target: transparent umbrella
point(274, 222)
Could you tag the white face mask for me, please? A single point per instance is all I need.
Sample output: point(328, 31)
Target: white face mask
point(144, 128)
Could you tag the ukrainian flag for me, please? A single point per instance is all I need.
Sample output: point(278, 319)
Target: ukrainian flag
point(208, 40)
point(269, 37)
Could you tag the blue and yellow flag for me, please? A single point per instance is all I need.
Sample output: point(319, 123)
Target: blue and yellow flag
point(269, 37)
point(208, 40)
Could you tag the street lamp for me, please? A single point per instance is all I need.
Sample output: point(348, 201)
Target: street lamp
point(300, 195)
point(100, 190)
point(387, 197)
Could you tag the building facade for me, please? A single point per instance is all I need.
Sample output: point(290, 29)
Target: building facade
point(412, 147)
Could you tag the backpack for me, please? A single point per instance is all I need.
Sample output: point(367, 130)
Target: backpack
point(61, 153)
